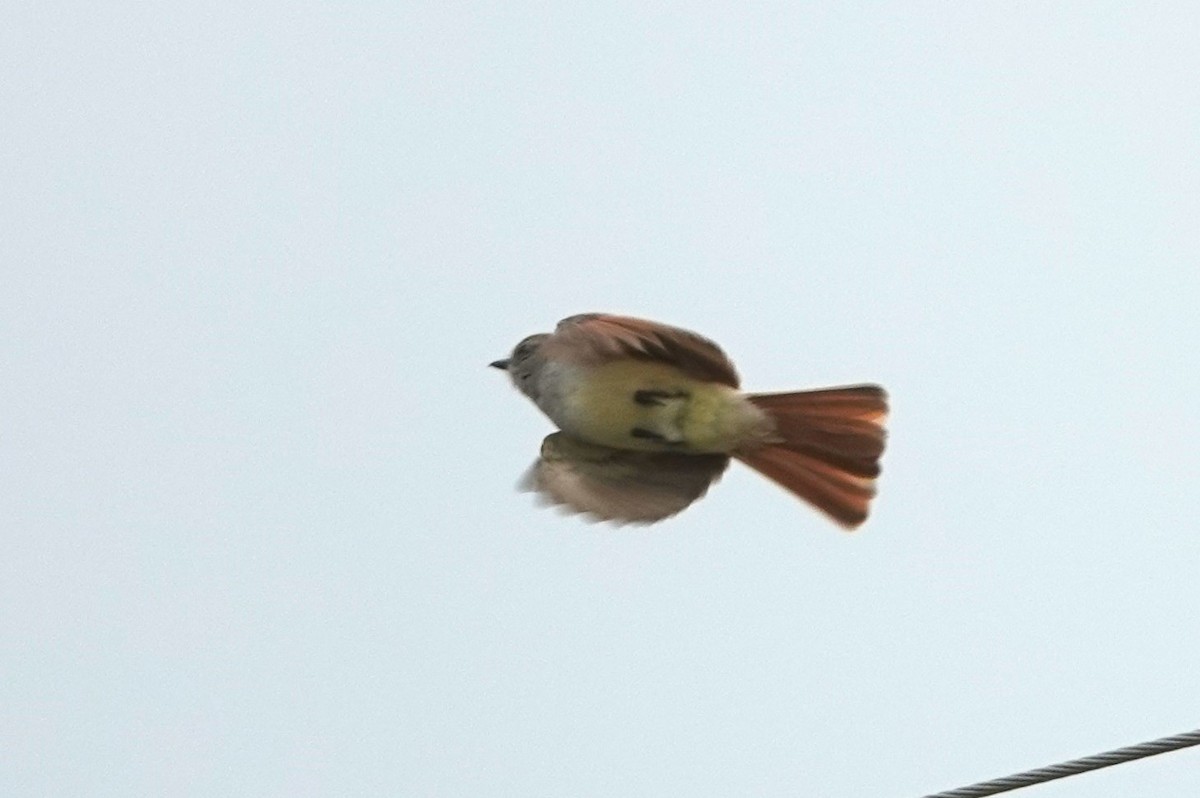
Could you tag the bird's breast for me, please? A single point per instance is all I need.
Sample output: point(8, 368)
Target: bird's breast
point(644, 405)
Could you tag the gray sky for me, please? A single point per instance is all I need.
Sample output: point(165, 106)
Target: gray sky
point(257, 485)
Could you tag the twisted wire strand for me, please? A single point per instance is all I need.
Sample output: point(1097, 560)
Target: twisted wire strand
point(1071, 768)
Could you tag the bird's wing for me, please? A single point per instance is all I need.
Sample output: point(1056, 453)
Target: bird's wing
point(597, 337)
point(619, 485)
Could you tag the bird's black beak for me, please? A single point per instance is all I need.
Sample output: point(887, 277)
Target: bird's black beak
point(499, 364)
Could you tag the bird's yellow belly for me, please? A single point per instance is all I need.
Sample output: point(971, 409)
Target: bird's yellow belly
point(640, 405)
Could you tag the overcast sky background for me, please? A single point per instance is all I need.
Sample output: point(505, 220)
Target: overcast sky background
point(257, 492)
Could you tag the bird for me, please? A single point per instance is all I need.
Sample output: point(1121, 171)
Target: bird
point(649, 416)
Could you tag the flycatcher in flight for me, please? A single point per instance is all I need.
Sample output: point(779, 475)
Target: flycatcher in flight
point(649, 416)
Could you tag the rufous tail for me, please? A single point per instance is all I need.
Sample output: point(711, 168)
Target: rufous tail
point(828, 447)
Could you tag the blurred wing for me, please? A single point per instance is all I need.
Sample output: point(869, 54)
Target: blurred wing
point(618, 485)
point(598, 336)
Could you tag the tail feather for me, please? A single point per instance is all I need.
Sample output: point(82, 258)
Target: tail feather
point(843, 498)
point(866, 402)
point(827, 447)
